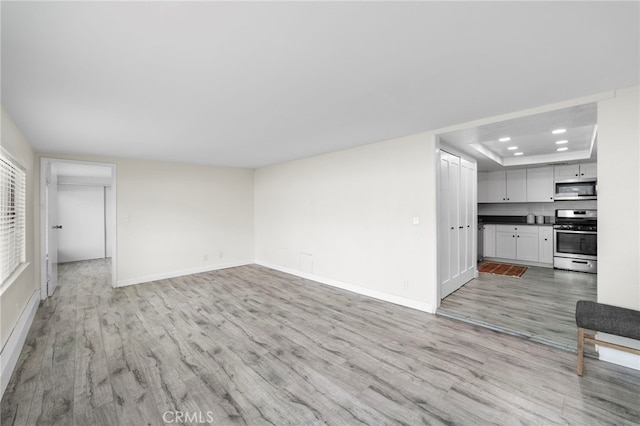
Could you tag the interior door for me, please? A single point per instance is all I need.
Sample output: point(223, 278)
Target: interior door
point(52, 227)
point(81, 212)
point(449, 222)
point(467, 210)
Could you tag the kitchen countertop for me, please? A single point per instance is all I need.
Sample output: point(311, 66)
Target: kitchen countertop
point(513, 220)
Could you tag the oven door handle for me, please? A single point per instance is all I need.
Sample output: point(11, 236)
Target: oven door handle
point(564, 231)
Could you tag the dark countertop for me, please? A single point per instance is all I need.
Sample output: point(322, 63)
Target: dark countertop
point(511, 220)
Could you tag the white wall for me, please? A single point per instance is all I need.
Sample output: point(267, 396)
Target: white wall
point(619, 199)
point(170, 216)
point(20, 294)
point(345, 218)
point(14, 297)
point(619, 209)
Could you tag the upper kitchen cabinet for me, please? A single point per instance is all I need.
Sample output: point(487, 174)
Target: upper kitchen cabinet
point(502, 187)
point(540, 185)
point(576, 171)
point(516, 186)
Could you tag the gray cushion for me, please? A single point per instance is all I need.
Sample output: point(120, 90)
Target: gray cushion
point(608, 319)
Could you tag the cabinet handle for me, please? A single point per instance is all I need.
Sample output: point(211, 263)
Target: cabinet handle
point(545, 239)
point(503, 199)
point(452, 227)
point(576, 174)
point(468, 226)
point(513, 236)
point(460, 227)
point(507, 198)
point(518, 236)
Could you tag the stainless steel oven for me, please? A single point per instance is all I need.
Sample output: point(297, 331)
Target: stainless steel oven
point(575, 240)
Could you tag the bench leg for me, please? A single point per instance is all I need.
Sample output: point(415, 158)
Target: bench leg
point(580, 351)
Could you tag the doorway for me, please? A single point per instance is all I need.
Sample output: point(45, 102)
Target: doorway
point(82, 195)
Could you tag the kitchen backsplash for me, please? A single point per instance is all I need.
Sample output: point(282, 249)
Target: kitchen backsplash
point(522, 209)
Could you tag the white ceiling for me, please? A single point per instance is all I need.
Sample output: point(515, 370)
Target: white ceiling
point(533, 137)
point(249, 84)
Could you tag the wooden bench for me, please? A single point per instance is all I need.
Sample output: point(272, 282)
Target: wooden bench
point(606, 319)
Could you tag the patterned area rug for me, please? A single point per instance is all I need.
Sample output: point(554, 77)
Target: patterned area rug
point(502, 269)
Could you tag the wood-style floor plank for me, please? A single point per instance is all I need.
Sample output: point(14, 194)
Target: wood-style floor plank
point(540, 305)
point(253, 346)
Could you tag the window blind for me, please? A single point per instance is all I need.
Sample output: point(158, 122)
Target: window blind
point(12, 216)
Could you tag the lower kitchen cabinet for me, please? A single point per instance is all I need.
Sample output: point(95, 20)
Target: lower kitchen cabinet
point(545, 244)
point(517, 242)
point(489, 241)
point(527, 243)
point(505, 243)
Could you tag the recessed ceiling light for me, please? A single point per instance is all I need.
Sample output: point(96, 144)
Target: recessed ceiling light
point(511, 148)
point(558, 131)
point(562, 142)
point(564, 148)
point(505, 139)
point(518, 153)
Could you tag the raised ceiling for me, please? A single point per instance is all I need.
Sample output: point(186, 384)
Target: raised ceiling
point(250, 84)
point(531, 140)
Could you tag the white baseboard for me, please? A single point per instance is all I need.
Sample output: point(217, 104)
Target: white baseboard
point(624, 359)
point(615, 356)
point(387, 297)
point(180, 273)
point(11, 351)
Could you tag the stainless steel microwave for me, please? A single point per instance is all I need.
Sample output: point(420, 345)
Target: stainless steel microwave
point(582, 190)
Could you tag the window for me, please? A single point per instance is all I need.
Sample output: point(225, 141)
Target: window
point(12, 216)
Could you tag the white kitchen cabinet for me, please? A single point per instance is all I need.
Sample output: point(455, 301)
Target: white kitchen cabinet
point(497, 187)
point(588, 171)
point(489, 240)
point(576, 171)
point(517, 242)
point(527, 243)
point(517, 186)
point(505, 242)
point(483, 195)
point(545, 244)
point(540, 185)
point(504, 186)
point(567, 171)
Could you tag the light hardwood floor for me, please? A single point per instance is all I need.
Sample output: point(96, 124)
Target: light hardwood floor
point(250, 345)
point(540, 305)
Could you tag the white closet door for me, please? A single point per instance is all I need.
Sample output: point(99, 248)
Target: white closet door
point(456, 222)
point(81, 214)
point(454, 215)
point(449, 223)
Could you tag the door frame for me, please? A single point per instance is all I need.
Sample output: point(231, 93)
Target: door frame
point(44, 163)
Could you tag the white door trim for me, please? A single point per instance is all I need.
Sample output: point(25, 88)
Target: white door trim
point(44, 163)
